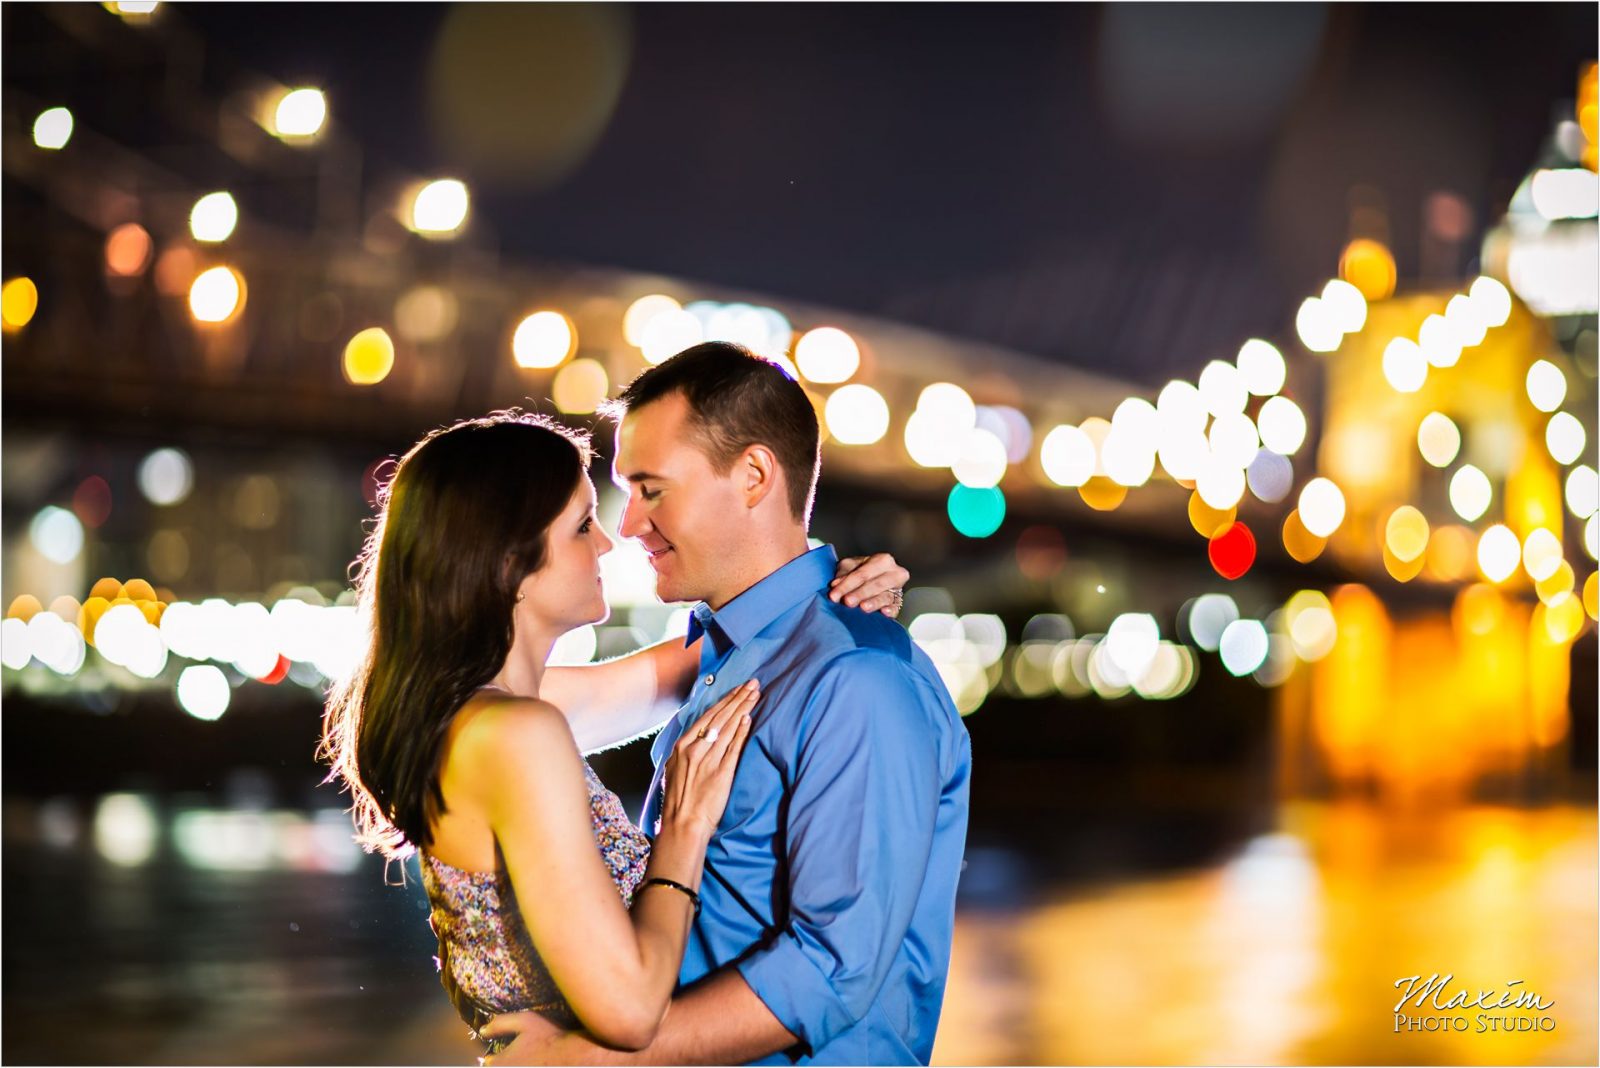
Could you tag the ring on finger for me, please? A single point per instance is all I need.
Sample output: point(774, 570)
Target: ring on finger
point(710, 734)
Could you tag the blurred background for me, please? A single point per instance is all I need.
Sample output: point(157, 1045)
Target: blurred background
point(1224, 374)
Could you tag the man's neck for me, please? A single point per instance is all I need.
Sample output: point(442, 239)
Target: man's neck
point(751, 570)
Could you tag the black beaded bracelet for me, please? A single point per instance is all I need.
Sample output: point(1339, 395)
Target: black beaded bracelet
point(658, 881)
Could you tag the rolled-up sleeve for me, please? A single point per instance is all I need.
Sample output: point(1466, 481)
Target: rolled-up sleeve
point(864, 798)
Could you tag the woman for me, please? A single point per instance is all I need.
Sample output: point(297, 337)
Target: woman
point(457, 740)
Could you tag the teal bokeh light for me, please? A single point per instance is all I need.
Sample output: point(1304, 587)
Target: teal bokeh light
point(977, 513)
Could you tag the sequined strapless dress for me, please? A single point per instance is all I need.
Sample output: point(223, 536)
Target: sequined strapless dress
point(487, 962)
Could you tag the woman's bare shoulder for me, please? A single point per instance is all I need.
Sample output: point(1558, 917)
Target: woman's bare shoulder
point(497, 732)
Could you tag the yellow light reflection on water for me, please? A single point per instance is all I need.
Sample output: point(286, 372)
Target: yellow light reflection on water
point(1288, 952)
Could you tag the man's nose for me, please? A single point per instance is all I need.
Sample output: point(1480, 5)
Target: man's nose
point(632, 524)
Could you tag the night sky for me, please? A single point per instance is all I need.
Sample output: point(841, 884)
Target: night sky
point(1134, 188)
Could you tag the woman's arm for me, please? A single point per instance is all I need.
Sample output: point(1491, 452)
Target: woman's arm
point(618, 700)
point(616, 967)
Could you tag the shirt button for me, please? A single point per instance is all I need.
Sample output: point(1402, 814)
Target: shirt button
point(710, 679)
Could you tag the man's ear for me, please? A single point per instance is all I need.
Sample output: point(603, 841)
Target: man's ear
point(758, 474)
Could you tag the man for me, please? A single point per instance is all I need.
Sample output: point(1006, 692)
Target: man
point(829, 889)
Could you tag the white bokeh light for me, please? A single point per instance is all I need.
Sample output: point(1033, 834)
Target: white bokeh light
point(857, 415)
point(1470, 492)
point(1321, 507)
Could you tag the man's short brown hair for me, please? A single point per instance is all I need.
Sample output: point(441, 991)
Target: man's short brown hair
point(737, 399)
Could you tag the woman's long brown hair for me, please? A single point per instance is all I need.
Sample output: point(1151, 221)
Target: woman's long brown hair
point(462, 522)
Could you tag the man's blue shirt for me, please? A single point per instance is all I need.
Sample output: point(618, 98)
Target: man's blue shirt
point(831, 881)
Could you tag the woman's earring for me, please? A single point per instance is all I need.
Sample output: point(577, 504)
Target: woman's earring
point(520, 596)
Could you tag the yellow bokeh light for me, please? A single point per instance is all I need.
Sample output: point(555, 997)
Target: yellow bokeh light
point(1102, 494)
point(369, 357)
point(1405, 534)
point(579, 387)
point(1591, 595)
point(1541, 554)
point(216, 295)
point(1401, 570)
point(544, 339)
point(19, 299)
point(1368, 266)
point(1207, 521)
point(24, 607)
point(1559, 581)
point(1563, 618)
point(639, 314)
point(1450, 552)
point(1309, 620)
point(1479, 610)
point(1299, 542)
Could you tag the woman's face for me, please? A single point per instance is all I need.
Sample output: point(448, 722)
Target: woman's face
point(567, 592)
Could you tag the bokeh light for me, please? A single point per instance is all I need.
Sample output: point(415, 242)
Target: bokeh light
point(1282, 425)
point(982, 462)
point(641, 311)
point(1067, 456)
point(1233, 439)
point(1404, 366)
point(213, 217)
point(128, 250)
point(1345, 305)
point(439, 207)
point(300, 114)
point(1491, 299)
point(1405, 533)
point(52, 128)
point(858, 415)
point(543, 340)
point(1547, 386)
point(57, 534)
point(1233, 551)
point(1243, 646)
point(1499, 552)
point(1438, 341)
point(19, 299)
point(1261, 365)
point(203, 691)
point(1321, 507)
point(1299, 542)
point(1470, 492)
point(1270, 476)
point(216, 295)
point(976, 513)
point(1541, 554)
point(1317, 326)
point(1222, 388)
point(1369, 266)
point(580, 387)
point(665, 333)
point(1438, 439)
point(1565, 438)
point(368, 357)
point(827, 355)
point(166, 476)
point(1581, 491)
point(1221, 484)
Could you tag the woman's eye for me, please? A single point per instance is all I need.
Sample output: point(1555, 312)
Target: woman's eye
point(649, 495)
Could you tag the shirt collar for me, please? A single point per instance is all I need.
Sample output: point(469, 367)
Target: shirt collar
point(748, 614)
